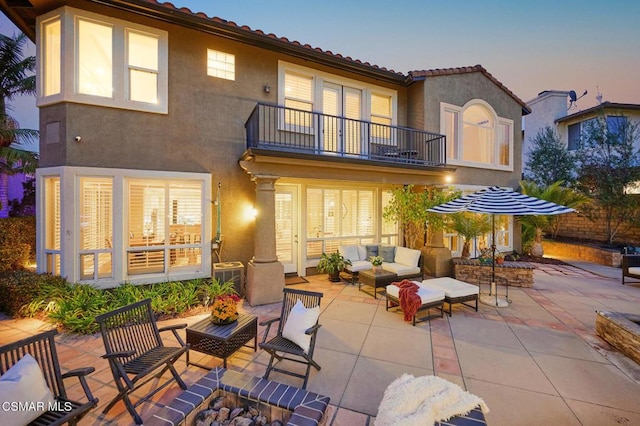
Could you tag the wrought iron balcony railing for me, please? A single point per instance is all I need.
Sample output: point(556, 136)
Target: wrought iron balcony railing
point(292, 130)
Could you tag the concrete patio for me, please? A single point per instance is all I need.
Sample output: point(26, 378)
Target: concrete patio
point(535, 362)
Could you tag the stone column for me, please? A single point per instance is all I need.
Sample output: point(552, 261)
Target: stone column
point(265, 275)
point(437, 258)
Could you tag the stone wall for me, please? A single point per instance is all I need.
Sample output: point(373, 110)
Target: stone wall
point(592, 254)
point(573, 225)
point(517, 274)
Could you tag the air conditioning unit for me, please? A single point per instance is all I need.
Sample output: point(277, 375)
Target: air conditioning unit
point(230, 271)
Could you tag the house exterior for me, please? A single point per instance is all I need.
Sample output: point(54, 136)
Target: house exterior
point(148, 111)
point(550, 108)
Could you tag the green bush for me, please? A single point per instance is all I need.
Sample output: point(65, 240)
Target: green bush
point(17, 242)
point(24, 293)
point(75, 306)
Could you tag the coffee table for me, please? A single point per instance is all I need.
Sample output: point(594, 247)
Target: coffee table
point(222, 340)
point(376, 280)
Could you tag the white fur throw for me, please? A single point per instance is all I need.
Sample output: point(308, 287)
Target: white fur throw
point(421, 401)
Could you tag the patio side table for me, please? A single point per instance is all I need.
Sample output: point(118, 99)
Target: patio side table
point(222, 341)
point(375, 279)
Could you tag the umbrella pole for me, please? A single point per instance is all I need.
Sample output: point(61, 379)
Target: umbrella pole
point(494, 288)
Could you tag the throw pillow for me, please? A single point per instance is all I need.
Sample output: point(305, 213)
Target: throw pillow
point(372, 250)
point(349, 252)
point(300, 320)
point(388, 253)
point(24, 388)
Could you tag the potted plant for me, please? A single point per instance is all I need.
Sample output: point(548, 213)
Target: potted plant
point(499, 258)
point(332, 264)
point(486, 257)
point(376, 261)
point(223, 298)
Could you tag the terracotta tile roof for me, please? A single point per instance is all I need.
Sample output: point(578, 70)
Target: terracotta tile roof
point(244, 28)
point(421, 74)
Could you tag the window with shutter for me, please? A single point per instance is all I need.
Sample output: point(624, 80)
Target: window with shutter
point(96, 228)
point(164, 225)
point(52, 225)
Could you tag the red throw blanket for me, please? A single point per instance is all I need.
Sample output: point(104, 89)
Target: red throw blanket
point(410, 302)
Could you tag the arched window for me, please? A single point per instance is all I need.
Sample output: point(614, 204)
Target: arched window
point(476, 136)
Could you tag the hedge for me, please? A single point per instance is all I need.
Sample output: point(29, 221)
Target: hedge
point(17, 242)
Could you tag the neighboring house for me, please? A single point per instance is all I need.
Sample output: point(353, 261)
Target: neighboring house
point(146, 108)
point(550, 108)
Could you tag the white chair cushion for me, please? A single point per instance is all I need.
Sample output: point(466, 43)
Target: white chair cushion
point(452, 288)
point(358, 265)
point(24, 383)
point(300, 319)
point(407, 256)
point(400, 269)
point(635, 270)
point(427, 295)
point(350, 252)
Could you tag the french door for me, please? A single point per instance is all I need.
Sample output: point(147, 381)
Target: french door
point(287, 247)
point(341, 126)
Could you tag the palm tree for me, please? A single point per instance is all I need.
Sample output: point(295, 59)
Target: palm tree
point(469, 226)
point(16, 79)
point(555, 193)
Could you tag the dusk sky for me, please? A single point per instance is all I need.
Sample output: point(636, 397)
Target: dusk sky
point(528, 46)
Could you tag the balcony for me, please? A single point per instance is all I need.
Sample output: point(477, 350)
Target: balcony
point(274, 127)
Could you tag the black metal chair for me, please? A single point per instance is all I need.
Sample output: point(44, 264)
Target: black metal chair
point(135, 350)
point(279, 347)
point(42, 348)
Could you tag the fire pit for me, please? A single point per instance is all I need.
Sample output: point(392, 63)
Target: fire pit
point(622, 331)
point(287, 404)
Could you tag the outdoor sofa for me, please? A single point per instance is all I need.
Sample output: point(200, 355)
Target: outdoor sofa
point(402, 261)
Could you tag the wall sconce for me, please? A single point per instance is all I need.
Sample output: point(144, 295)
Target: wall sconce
point(448, 178)
point(266, 88)
point(253, 212)
point(250, 213)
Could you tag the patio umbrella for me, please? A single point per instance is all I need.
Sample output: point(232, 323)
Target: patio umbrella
point(493, 201)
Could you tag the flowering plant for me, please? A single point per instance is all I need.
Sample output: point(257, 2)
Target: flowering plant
point(376, 260)
point(225, 309)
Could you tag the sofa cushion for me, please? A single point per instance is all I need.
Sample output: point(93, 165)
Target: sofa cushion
point(358, 265)
point(350, 252)
point(388, 253)
point(372, 250)
point(452, 288)
point(400, 269)
point(634, 270)
point(427, 295)
point(362, 253)
point(407, 256)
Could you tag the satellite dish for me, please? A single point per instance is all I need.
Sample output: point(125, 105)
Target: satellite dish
point(573, 98)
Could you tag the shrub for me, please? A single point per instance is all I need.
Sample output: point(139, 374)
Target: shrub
point(17, 242)
point(24, 293)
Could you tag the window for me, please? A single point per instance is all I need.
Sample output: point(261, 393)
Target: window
point(143, 67)
point(95, 61)
point(298, 95)
point(101, 61)
point(340, 216)
point(164, 226)
point(476, 136)
point(51, 56)
point(617, 126)
point(52, 225)
point(96, 228)
point(381, 113)
point(221, 65)
point(574, 137)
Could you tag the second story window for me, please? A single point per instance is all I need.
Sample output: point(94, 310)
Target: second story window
point(221, 65)
point(98, 60)
point(476, 136)
point(298, 95)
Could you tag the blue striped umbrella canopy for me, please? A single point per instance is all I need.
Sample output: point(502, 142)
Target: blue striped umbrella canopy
point(496, 200)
